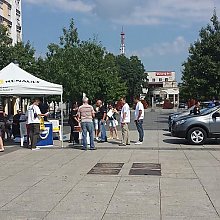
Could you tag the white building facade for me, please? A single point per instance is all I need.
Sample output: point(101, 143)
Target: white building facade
point(163, 85)
point(11, 17)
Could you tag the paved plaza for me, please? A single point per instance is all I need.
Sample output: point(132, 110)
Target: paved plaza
point(53, 184)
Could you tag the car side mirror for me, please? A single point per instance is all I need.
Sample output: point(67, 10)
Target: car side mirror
point(215, 115)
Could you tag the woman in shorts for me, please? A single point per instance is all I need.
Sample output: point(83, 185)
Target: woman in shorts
point(113, 123)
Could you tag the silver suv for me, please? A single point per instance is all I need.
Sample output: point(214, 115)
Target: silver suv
point(197, 128)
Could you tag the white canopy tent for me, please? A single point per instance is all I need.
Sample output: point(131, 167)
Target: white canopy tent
point(16, 81)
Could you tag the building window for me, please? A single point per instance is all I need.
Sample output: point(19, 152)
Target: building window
point(9, 11)
point(153, 80)
point(160, 79)
point(166, 79)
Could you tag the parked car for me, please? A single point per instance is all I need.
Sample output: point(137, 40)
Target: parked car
point(177, 115)
point(197, 128)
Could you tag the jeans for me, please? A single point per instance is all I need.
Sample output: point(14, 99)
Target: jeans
point(103, 130)
point(87, 126)
point(139, 125)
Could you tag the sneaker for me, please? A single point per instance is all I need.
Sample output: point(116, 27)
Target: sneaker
point(138, 143)
point(110, 138)
point(37, 148)
point(122, 144)
point(93, 148)
point(97, 138)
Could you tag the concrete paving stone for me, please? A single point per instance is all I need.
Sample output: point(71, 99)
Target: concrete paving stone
point(88, 196)
point(98, 185)
point(189, 218)
point(22, 215)
point(138, 188)
point(123, 204)
point(101, 178)
point(7, 197)
point(198, 210)
point(117, 216)
point(21, 181)
point(149, 180)
point(177, 175)
point(78, 208)
point(54, 215)
point(34, 202)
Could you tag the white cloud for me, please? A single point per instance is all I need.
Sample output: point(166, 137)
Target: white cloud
point(67, 5)
point(139, 12)
point(178, 46)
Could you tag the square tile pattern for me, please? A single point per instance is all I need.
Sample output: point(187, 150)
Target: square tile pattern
point(145, 169)
point(136, 169)
point(106, 168)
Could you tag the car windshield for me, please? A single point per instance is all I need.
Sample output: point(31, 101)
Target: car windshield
point(206, 111)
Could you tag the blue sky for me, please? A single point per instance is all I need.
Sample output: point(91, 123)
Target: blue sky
point(158, 31)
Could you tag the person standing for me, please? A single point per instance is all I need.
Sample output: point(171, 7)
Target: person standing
point(139, 117)
point(125, 120)
point(2, 128)
point(113, 123)
point(34, 115)
point(102, 116)
point(86, 114)
point(73, 121)
point(196, 109)
point(95, 119)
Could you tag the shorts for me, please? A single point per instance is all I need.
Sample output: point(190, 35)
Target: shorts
point(112, 123)
point(96, 124)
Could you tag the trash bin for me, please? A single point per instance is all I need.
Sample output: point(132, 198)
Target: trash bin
point(46, 136)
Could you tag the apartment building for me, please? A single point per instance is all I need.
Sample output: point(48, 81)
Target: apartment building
point(11, 17)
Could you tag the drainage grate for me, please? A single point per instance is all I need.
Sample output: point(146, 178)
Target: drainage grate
point(109, 165)
point(145, 169)
point(106, 168)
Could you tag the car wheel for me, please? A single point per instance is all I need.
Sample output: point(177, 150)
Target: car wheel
point(197, 136)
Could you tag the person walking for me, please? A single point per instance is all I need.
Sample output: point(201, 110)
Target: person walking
point(139, 117)
point(86, 114)
point(34, 115)
point(73, 121)
point(125, 120)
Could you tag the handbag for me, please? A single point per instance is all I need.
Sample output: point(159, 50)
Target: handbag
point(116, 122)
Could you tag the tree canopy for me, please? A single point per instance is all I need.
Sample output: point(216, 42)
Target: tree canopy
point(201, 73)
point(80, 66)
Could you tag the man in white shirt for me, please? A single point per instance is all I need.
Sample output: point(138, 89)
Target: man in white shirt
point(34, 115)
point(139, 117)
point(125, 120)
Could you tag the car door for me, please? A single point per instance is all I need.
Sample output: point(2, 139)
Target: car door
point(214, 122)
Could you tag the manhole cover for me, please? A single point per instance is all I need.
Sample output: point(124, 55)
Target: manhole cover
point(104, 171)
point(147, 165)
point(145, 172)
point(145, 169)
point(106, 168)
point(109, 165)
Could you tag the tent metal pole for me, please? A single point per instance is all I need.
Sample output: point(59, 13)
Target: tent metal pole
point(61, 120)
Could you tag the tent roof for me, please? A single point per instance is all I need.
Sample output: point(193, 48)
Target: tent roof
point(16, 81)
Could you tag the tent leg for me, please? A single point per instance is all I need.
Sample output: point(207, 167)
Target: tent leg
point(61, 137)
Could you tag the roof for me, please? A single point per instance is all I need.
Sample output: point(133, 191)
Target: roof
point(16, 81)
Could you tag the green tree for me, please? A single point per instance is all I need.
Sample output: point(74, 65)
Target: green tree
point(133, 74)
point(82, 66)
point(201, 73)
point(5, 46)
